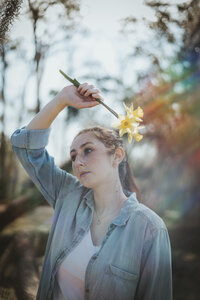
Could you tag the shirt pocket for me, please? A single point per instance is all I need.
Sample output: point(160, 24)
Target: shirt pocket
point(118, 284)
point(116, 271)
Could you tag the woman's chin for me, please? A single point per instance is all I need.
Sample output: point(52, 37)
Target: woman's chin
point(87, 183)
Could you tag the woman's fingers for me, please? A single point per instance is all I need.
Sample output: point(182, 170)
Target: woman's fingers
point(81, 86)
point(84, 87)
point(97, 96)
point(89, 103)
point(91, 91)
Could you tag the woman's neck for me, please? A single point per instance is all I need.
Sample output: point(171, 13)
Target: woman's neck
point(109, 198)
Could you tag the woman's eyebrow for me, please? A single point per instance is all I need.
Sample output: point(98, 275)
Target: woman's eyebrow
point(73, 150)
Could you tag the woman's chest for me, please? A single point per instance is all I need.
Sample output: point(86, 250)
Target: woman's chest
point(98, 232)
point(115, 266)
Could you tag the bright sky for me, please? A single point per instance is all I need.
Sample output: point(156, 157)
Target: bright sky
point(105, 16)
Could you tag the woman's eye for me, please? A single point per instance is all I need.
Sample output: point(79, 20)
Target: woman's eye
point(73, 157)
point(87, 150)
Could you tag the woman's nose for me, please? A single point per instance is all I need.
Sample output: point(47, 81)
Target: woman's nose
point(79, 161)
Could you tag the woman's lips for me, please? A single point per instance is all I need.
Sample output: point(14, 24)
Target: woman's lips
point(84, 174)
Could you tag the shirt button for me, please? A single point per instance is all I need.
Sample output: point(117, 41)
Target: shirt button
point(95, 257)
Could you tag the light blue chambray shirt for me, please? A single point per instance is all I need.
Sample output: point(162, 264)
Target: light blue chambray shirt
point(134, 260)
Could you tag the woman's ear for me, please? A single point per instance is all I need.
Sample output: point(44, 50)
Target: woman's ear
point(118, 156)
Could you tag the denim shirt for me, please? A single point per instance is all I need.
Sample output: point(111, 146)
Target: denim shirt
point(134, 260)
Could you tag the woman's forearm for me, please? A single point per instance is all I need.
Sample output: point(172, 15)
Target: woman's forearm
point(46, 115)
point(68, 96)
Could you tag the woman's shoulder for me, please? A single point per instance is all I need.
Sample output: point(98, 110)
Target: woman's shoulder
point(150, 218)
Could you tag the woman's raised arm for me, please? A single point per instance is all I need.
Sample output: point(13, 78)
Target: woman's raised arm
point(83, 97)
point(29, 143)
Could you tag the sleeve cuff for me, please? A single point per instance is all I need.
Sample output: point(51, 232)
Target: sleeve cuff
point(30, 138)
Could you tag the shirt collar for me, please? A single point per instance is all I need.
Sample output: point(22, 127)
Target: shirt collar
point(125, 211)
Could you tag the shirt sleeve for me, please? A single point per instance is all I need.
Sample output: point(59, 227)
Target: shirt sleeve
point(29, 147)
point(155, 280)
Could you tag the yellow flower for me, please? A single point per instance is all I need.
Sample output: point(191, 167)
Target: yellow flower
point(136, 114)
point(125, 124)
point(129, 123)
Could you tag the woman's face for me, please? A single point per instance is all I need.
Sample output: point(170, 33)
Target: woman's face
point(91, 163)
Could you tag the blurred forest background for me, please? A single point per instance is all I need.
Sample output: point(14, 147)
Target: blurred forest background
point(166, 163)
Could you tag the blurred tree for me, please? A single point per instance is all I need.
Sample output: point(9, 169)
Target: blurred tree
point(169, 93)
point(45, 29)
point(8, 168)
point(187, 18)
point(9, 9)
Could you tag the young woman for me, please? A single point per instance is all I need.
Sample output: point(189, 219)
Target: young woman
point(103, 244)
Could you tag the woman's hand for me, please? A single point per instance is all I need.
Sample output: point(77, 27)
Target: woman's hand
point(81, 97)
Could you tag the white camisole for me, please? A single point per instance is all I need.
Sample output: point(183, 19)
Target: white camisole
point(71, 273)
